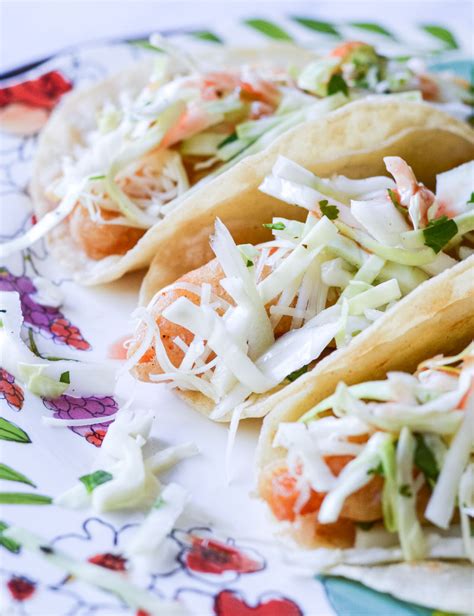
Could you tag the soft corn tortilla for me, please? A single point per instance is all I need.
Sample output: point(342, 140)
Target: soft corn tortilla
point(441, 586)
point(351, 141)
point(76, 116)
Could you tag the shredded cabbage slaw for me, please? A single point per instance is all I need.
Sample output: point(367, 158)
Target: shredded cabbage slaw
point(419, 437)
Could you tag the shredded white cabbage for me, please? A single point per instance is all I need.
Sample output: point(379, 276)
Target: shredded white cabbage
point(420, 434)
point(132, 482)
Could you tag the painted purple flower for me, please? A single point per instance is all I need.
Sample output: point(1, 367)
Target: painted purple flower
point(48, 320)
point(67, 407)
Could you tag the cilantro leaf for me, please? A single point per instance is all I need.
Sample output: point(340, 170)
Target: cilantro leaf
point(160, 501)
point(394, 199)
point(337, 84)
point(425, 460)
point(65, 378)
point(276, 226)
point(376, 470)
point(230, 139)
point(331, 211)
point(405, 490)
point(438, 233)
point(95, 479)
point(471, 200)
point(297, 373)
point(249, 263)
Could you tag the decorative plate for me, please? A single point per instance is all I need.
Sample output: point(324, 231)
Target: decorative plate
point(222, 558)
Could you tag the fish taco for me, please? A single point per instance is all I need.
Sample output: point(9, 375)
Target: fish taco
point(372, 267)
point(377, 480)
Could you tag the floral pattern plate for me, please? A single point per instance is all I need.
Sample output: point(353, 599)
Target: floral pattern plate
point(221, 559)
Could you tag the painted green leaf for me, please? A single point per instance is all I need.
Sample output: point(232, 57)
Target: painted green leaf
point(144, 44)
point(371, 27)
point(269, 29)
point(317, 26)
point(10, 474)
point(11, 432)
point(442, 34)
point(205, 35)
point(24, 498)
point(9, 544)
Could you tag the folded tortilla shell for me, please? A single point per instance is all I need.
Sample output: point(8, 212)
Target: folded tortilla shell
point(351, 141)
point(76, 116)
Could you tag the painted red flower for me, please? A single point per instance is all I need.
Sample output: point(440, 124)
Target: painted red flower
point(115, 562)
point(96, 438)
point(21, 588)
point(210, 556)
point(66, 333)
point(11, 391)
point(229, 603)
point(44, 92)
point(25, 107)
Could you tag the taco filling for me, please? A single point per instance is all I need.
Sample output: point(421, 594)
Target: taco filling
point(257, 317)
point(383, 468)
point(147, 152)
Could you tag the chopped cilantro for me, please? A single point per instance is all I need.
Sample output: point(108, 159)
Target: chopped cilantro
point(405, 490)
point(160, 501)
point(471, 200)
point(297, 373)
point(276, 226)
point(97, 177)
point(365, 525)
point(331, 211)
point(376, 470)
point(337, 84)
point(249, 263)
point(425, 460)
point(394, 199)
point(95, 479)
point(229, 139)
point(438, 233)
point(65, 378)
